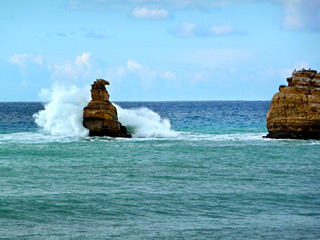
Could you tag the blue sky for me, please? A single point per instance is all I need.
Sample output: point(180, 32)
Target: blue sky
point(157, 50)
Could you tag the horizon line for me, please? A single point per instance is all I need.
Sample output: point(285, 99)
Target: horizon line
point(240, 100)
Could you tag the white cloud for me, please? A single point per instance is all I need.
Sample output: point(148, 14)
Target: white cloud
point(187, 29)
point(301, 15)
point(222, 29)
point(81, 69)
point(287, 72)
point(84, 59)
point(26, 62)
point(200, 3)
point(133, 65)
point(297, 66)
point(116, 74)
point(107, 5)
point(169, 76)
point(39, 60)
point(148, 76)
point(126, 4)
point(150, 13)
point(20, 59)
point(85, 68)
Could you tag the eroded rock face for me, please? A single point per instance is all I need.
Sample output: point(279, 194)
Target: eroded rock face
point(295, 109)
point(100, 116)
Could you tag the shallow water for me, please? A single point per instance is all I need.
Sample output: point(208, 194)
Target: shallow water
point(210, 176)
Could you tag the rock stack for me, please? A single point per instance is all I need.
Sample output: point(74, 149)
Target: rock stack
point(295, 109)
point(100, 116)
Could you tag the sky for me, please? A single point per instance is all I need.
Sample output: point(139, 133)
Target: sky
point(157, 50)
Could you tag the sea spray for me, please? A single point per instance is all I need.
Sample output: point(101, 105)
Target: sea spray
point(63, 115)
point(144, 123)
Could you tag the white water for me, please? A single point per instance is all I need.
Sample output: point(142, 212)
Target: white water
point(144, 123)
point(63, 115)
point(238, 139)
point(63, 112)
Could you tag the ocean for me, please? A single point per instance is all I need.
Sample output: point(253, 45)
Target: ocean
point(193, 170)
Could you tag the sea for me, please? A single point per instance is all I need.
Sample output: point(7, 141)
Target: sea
point(192, 170)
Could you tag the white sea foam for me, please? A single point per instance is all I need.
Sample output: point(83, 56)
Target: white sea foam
point(234, 137)
point(35, 138)
point(64, 110)
point(196, 138)
point(144, 123)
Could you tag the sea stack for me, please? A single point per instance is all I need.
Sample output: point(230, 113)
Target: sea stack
point(295, 109)
point(100, 116)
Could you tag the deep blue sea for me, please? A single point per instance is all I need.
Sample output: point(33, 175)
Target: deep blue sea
point(193, 170)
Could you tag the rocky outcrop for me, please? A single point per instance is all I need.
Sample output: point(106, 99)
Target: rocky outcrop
point(100, 116)
point(295, 109)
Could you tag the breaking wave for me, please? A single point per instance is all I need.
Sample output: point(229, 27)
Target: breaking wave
point(144, 123)
point(63, 115)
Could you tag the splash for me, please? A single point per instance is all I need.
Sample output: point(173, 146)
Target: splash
point(63, 115)
point(144, 123)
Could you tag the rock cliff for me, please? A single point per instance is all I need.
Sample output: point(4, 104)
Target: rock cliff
point(100, 116)
point(295, 109)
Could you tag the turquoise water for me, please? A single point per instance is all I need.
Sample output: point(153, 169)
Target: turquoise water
point(210, 175)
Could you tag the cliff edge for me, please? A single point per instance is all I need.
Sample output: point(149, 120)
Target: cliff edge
point(295, 110)
point(100, 116)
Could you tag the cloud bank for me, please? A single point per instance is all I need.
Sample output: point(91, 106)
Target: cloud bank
point(86, 67)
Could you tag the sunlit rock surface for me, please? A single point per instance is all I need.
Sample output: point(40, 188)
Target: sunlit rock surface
point(100, 116)
point(295, 109)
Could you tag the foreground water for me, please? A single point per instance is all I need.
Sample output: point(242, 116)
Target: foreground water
point(210, 175)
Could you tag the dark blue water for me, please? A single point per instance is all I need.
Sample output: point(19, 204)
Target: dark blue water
point(216, 178)
point(18, 116)
point(211, 116)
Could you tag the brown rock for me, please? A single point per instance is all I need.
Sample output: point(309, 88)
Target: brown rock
point(295, 110)
point(100, 116)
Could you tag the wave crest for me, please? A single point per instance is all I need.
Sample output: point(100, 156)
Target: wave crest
point(62, 115)
point(144, 123)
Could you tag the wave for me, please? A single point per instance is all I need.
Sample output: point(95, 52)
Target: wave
point(236, 139)
point(223, 137)
point(63, 115)
point(36, 138)
point(144, 123)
